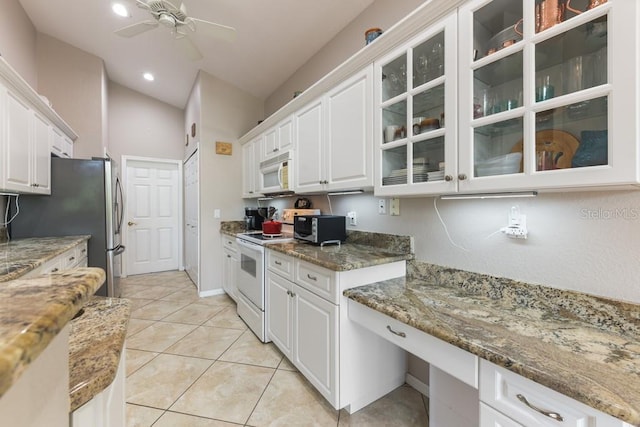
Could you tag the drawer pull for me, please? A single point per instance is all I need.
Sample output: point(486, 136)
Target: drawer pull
point(553, 415)
point(71, 258)
point(312, 277)
point(277, 263)
point(291, 294)
point(400, 334)
point(54, 270)
point(83, 251)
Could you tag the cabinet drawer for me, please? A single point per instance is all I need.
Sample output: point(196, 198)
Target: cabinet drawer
point(81, 255)
point(318, 280)
point(229, 243)
point(506, 392)
point(454, 361)
point(280, 264)
point(489, 417)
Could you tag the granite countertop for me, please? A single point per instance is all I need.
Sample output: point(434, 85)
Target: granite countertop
point(96, 343)
point(18, 257)
point(33, 311)
point(347, 256)
point(585, 347)
point(361, 249)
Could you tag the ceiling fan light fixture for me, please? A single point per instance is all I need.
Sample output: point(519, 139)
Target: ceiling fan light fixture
point(149, 77)
point(167, 20)
point(120, 10)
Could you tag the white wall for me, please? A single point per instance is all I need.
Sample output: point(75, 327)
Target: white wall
point(143, 126)
point(18, 41)
point(73, 80)
point(584, 241)
point(227, 113)
point(381, 14)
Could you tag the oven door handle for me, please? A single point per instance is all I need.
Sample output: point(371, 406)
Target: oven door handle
point(251, 246)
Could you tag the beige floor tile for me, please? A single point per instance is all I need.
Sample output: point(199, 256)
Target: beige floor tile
point(173, 419)
point(183, 295)
point(135, 359)
point(223, 300)
point(136, 325)
point(285, 364)
point(157, 310)
point(205, 342)
point(154, 292)
point(141, 416)
point(159, 336)
point(402, 407)
point(130, 290)
point(194, 314)
point(160, 382)
point(136, 303)
point(227, 318)
point(248, 349)
point(290, 400)
point(226, 391)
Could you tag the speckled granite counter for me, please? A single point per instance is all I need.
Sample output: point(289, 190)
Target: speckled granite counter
point(231, 228)
point(348, 256)
point(582, 346)
point(95, 344)
point(33, 311)
point(20, 256)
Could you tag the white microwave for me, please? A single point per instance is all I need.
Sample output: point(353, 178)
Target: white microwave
point(276, 175)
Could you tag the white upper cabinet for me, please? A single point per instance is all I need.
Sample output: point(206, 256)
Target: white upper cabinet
point(547, 100)
point(278, 139)
point(415, 115)
point(308, 155)
point(28, 127)
point(333, 135)
point(250, 168)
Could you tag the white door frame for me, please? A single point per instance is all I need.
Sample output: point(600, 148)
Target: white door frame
point(178, 163)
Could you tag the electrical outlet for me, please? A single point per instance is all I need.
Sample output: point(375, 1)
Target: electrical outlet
point(353, 220)
point(394, 207)
point(517, 228)
point(382, 206)
point(216, 213)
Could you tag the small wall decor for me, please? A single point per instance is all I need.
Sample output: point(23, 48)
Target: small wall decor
point(224, 148)
point(186, 139)
point(193, 130)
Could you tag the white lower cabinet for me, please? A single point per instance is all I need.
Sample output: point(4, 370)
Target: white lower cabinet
point(489, 417)
point(348, 365)
point(532, 404)
point(75, 257)
point(229, 264)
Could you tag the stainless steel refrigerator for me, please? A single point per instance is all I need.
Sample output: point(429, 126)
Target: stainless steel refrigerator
point(86, 198)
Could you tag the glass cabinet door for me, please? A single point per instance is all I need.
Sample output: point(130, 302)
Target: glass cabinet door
point(535, 92)
point(416, 114)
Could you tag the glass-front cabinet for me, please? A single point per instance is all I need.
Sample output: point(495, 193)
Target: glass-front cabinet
point(415, 117)
point(547, 94)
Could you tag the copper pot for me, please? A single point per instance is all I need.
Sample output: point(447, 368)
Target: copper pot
point(552, 12)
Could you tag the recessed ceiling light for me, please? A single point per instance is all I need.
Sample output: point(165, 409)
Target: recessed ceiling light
point(148, 76)
point(120, 10)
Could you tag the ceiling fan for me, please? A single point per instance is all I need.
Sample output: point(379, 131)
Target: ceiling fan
point(177, 20)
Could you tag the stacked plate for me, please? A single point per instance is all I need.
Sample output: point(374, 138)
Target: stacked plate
point(397, 176)
point(436, 176)
point(420, 173)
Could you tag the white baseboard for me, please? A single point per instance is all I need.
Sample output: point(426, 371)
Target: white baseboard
point(211, 293)
point(417, 384)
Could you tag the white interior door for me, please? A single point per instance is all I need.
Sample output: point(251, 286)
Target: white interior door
point(153, 216)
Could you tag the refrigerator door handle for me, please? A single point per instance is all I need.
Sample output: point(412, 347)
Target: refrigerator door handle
point(118, 250)
point(119, 206)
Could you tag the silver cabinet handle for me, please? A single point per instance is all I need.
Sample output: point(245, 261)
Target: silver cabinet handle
point(71, 258)
point(462, 177)
point(448, 178)
point(400, 334)
point(277, 262)
point(291, 294)
point(228, 256)
point(54, 270)
point(311, 277)
point(546, 413)
point(83, 251)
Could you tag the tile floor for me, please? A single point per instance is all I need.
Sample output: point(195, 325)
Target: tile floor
point(192, 362)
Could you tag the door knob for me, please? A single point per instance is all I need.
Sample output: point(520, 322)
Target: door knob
point(130, 223)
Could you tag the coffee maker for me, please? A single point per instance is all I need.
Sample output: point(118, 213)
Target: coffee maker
point(253, 219)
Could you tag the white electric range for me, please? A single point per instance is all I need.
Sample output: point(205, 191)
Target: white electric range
point(252, 268)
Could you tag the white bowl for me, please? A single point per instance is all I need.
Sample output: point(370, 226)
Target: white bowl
point(501, 165)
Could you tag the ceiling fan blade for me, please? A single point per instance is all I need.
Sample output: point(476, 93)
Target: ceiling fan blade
point(212, 29)
point(188, 47)
point(183, 9)
point(142, 4)
point(135, 29)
